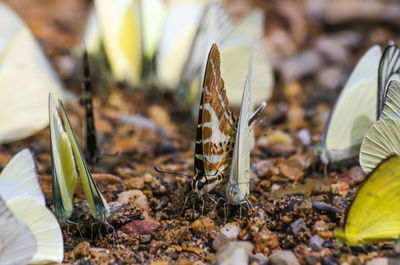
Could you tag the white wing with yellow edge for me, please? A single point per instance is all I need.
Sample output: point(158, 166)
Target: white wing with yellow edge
point(17, 242)
point(354, 111)
point(26, 79)
point(44, 226)
point(121, 31)
point(180, 28)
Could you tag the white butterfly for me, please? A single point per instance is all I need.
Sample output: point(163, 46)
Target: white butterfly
point(238, 185)
point(26, 78)
point(20, 188)
point(354, 112)
point(17, 242)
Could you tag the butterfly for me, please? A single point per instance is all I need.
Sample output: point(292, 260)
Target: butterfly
point(17, 244)
point(23, 197)
point(129, 32)
point(238, 186)
point(67, 161)
point(26, 78)
point(374, 214)
point(216, 129)
point(352, 114)
point(92, 149)
point(381, 140)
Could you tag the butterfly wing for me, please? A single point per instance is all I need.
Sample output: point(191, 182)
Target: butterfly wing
point(97, 204)
point(120, 26)
point(17, 244)
point(43, 225)
point(238, 185)
point(215, 129)
point(153, 15)
point(380, 142)
point(354, 111)
point(237, 49)
point(26, 79)
point(391, 107)
point(64, 175)
point(19, 178)
point(389, 65)
point(180, 27)
point(374, 214)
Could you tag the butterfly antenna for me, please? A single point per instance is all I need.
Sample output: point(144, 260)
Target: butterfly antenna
point(92, 149)
point(171, 172)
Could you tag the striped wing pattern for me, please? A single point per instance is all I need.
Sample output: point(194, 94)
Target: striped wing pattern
point(380, 142)
point(391, 108)
point(215, 131)
point(388, 66)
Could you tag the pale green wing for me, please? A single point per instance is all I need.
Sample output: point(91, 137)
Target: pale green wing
point(354, 111)
point(391, 107)
point(374, 214)
point(237, 49)
point(20, 179)
point(98, 205)
point(238, 185)
point(64, 175)
point(17, 242)
point(381, 141)
point(44, 226)
point(120, 27)
point(153, 15)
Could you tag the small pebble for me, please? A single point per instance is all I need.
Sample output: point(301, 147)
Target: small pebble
point(379, 261)
point(283, 257)
point(258, 259)
point(145, 239)
point(140, 227)
point(233, 253)
point(200, 225)
point(265, 241)
point(297, 226)
point(311, 260)
point(328, 261)
point(315, 243)
point(81, 250)
point(228, 233)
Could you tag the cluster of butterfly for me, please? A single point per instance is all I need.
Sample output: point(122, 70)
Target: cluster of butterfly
point(365, 120)
point(175, 35)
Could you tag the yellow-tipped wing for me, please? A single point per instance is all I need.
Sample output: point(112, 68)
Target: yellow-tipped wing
point(354, 111)
point(120, 27)
point(17, 242)
point(180, 28)
point(98, 205)
point(374, 215)
point(26, 79)
point(64, 174)
point(44, 226)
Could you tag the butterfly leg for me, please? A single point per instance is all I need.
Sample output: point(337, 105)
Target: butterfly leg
point(202, 205)
point(114, 233)
point(77, 227)
point(91, 231)
point(184, 205)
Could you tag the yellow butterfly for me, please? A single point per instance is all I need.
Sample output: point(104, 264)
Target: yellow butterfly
point(66, 158)
point(374, 214)
point(26, 79)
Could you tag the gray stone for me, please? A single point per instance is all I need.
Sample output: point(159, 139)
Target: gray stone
point(297, 226)
point(283, 257)
point(315, 243)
